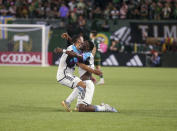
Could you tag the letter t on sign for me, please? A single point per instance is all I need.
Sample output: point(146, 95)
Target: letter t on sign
point(21, 39)
point(143, 30)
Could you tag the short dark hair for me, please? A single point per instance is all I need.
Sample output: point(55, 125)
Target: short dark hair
point(94, 32)
point(75, 38)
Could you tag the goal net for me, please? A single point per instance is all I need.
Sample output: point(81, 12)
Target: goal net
point(24, 44)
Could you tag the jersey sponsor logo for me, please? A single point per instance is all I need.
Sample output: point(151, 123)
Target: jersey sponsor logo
point(20, 58)
point(110, 61)
point(135, 61)
point(69, 78)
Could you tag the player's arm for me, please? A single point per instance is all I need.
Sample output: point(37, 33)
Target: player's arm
point(70, 53)
point(66, 36)
point(87, 68)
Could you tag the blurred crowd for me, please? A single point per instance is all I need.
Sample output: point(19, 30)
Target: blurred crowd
point(90, 9)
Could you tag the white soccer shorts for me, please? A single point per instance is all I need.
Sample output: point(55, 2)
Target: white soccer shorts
point(88, 95)
point(69, 80)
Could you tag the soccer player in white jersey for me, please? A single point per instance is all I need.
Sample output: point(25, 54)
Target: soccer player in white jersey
point(67, 65)
point(84, 103)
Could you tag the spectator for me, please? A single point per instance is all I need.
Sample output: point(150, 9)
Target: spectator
point(24, 12)
point(152, 10)
point(89, 10)
point(40, 11)
point(3, 10)
point(72, 18)
point(135, 14)
point(72, 5)
point(123, 11)
point(105, 26)
point(80, 11)
point(12, 10)
point(97, 13)
point(114, 15)
point(155, 59)
point(54, 13)
point(32, 10)
point(107, 13)
point(116, 46)
point(175, 12)
point(144, 11)
point(63, 11)
point(81, 21)
point(134, 9)
point(48, 11)
point(80, 8)
point(158, 11)
point(166, 11)
point(81, 4)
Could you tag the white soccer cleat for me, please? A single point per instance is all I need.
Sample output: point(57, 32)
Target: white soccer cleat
point(66, 105)
point(109, 108)
point(100, 82)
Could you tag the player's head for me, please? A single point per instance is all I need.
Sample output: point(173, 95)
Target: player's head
point(93, 34)
point(77, 41)
point(87, 46)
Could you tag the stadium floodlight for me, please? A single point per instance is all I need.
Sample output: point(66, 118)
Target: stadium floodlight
point(24, 44)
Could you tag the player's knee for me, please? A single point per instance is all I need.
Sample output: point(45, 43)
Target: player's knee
point(81, 84)
point(84, 85)
point(82, 108)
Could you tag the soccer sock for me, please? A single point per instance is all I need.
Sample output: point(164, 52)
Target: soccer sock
point(99, 108)
point(73, 95)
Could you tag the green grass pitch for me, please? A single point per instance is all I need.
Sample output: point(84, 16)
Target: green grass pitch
point(146, 97)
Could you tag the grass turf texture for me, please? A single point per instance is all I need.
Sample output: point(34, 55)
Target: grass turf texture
point(147, 98)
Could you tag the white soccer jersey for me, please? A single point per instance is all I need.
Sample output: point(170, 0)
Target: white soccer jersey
point(66, 69)
point(91, 65)
point(62, 67)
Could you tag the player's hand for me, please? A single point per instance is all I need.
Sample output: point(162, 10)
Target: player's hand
point(71, 53)
point(65, 36)
point(97, 72)
point(58, 50)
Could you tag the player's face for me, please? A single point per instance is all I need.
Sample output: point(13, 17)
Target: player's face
point(91, 35)
point(82, 39)
point(78, 43)
point(85, 46)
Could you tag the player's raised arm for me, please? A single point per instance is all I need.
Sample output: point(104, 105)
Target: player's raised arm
point(58, 50)
point(85, 67)
point(66, 36)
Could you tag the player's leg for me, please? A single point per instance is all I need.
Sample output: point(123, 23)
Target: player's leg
point(74, 83)
point(88, 95)
point(84, 105)
point(66, 103)
point(74, 94)
point(98, 66)
point(96, 108)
